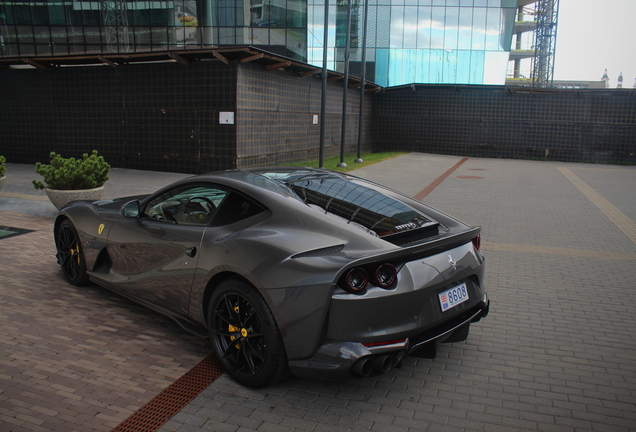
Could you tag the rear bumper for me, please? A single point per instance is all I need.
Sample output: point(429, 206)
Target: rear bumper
point(413, 306)
point(338, 359)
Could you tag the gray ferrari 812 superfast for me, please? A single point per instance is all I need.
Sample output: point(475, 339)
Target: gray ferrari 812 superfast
point(299, 270)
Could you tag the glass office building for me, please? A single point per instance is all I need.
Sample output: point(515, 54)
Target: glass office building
point(71, 27)
point(408, 41)
point(420, 41)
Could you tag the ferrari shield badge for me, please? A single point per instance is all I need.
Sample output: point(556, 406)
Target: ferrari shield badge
point(100, 229)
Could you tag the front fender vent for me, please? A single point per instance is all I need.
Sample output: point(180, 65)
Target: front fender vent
point(103, 263)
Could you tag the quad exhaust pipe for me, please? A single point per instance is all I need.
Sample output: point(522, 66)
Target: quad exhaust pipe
point(383, 363)
point(380, 364)
point(363, 367)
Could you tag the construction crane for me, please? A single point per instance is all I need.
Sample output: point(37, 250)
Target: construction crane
point(115, 25)
point(545, 43)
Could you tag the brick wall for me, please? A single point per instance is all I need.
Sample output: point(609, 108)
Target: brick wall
point(276, 118)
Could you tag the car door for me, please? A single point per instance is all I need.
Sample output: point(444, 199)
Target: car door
point(154, 256)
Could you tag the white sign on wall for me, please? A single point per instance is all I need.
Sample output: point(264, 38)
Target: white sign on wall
point(226, 117)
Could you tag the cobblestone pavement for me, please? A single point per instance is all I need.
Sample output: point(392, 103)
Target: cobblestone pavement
point(557, 352)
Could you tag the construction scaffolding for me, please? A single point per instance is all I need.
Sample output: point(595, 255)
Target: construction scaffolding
point(545, 43)
point(115, 25)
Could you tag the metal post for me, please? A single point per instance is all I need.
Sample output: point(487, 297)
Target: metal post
point(323, 97)
point(363, 80)
point(343, 132)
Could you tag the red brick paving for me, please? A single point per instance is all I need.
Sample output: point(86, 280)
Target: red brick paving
point(76, 359)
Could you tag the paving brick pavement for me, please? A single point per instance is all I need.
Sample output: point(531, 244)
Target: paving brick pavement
point(557, 353)
point(74, 358)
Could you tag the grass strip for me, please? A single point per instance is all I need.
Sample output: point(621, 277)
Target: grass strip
point(332, 162)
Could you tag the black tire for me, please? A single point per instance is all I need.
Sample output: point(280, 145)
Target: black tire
point(70, 255)
point(245, 336)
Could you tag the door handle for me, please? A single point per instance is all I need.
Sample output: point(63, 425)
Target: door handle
point(191, 252)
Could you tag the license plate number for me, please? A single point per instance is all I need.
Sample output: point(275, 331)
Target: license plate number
point(452, 297)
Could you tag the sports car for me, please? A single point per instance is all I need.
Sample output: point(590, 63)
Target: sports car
point(300, 270)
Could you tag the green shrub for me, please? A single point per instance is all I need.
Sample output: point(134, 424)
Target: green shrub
point(89, 172)
point(3, 167)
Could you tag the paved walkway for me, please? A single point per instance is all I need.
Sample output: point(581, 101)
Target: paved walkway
point(557, 353)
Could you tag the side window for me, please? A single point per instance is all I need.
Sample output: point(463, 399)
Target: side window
point(193, 204)
point(235, 208)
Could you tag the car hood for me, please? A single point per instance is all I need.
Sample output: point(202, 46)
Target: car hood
point(103, 207)
point(116, 203)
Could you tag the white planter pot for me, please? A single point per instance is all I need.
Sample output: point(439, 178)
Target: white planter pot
point(61, 197)
point(2, 179)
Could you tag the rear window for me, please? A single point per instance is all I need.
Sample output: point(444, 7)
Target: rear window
point(359, 204)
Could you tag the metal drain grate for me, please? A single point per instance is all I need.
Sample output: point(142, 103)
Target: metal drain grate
point(172, 399)
point(6, 232)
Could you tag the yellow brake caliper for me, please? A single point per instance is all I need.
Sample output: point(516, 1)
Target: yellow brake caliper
point(75, 254)
point(231, 328)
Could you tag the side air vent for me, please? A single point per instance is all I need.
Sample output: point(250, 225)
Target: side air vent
point(331, 250)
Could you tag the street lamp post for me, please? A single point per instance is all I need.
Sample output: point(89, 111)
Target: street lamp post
point(343, 132)
point(323, 97)
point(363, 80)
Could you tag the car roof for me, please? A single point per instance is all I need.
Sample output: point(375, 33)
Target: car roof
point(258, 181)
point(266, 178)
point(278, 172)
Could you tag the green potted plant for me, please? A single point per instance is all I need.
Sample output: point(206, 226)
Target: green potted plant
point(70, 179)
point(3, 170)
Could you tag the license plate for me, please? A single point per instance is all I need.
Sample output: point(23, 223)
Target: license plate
point(452, 297)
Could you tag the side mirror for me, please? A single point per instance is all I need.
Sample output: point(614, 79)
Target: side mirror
point(130, 209)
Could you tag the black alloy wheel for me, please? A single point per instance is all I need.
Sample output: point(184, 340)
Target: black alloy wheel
point(70, 255)
point(245, 336)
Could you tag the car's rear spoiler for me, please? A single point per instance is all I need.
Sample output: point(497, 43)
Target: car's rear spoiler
point(419, 251)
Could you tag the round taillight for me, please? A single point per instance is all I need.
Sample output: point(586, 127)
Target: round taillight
point(355, 280)
point(477, 242)
point(385, 275)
